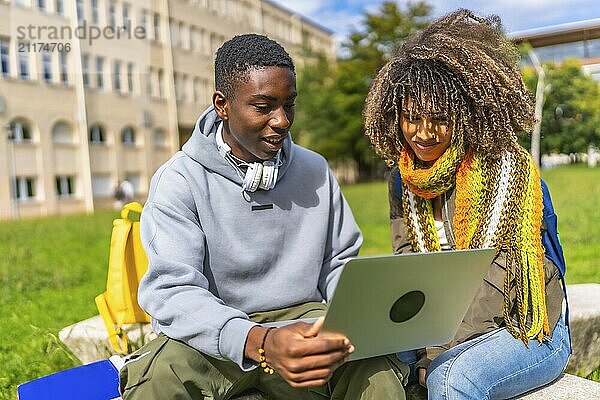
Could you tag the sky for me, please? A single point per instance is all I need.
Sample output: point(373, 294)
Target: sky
point(341, 16)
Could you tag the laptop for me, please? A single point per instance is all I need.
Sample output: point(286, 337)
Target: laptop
point(387, 304)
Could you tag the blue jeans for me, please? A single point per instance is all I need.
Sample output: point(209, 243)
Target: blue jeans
point(496, 366)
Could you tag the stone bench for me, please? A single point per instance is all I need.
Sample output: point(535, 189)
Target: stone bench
point(584, 304)
point(566, 387)
point(88, 341)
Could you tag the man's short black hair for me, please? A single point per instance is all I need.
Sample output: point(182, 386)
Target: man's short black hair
point(244, 52)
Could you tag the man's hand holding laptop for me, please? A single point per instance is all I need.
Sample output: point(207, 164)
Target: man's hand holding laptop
point(301, 354)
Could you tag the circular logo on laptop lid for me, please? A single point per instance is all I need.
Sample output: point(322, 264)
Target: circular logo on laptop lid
point(407, 306)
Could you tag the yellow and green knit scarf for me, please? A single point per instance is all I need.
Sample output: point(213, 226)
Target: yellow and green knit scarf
point(499, 205)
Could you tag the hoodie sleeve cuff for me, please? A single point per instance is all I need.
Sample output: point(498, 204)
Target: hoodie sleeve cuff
point(233, 340)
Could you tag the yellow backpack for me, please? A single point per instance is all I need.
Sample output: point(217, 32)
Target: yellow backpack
point(126, 265)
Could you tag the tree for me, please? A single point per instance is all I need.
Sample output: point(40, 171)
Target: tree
point(331, 95)
point(571, 113)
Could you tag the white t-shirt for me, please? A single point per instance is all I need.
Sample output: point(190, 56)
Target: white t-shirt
point(439, 226)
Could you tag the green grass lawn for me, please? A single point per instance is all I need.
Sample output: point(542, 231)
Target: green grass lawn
point(50, 271)
point(576, 197)
point(52, 268)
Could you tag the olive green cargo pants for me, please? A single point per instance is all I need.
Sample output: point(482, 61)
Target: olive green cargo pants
point(168, 369)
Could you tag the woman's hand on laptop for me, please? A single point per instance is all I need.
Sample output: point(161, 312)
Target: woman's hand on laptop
point(301, 358)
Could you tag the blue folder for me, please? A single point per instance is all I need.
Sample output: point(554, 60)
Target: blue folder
point(96, 381)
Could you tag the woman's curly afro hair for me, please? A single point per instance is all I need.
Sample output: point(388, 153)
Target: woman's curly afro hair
point(461, 65)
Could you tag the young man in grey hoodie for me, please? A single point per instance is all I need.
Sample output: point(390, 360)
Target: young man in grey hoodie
point(244, 227)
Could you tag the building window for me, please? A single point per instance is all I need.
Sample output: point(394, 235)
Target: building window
point(99, 72)
point(97, 135)
point(175, 39)
point(20, 132)
point(592, 48)
point(61, 133)
point(24, 188)
point(79, 9)
point(47, 66)
point(134, 179)
point(5, 57)
point(64, 186)
point(128, 136)
point(112, 19)
point(24, 65)
point(157, 27)
point(207, 89)
point(200, 89)
point(95, 14)
point(196, 90)
point(161, 83)
point(85, 69)
point(212, 7)
point(215, 42)
point(126, 22)
point(160, 138)
point(130, 77)
point(177, 85)
point(116, 75)
point(143, 20)
point(192, 42)
point(41, 4)
point(102, 186)
point(185, 87)
point(202, 39)
point(186, 36)
point(149, 82)
point(183, 36)
point(64, 67)
point(59, 7)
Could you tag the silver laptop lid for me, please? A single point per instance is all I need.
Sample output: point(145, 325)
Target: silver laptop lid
point(394, 303)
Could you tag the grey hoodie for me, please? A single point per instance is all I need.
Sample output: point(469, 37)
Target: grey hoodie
point(214, 256)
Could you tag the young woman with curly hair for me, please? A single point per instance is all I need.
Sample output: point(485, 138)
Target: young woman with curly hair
point(446, 109)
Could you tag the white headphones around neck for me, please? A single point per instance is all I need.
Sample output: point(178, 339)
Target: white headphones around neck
point(261, 176)
point(258, 175)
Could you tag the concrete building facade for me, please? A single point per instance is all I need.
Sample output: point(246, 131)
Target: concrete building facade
point(96, 91)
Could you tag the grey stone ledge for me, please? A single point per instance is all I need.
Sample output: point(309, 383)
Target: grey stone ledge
point(88, 339)
point(566, 387)
point(584, 305)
